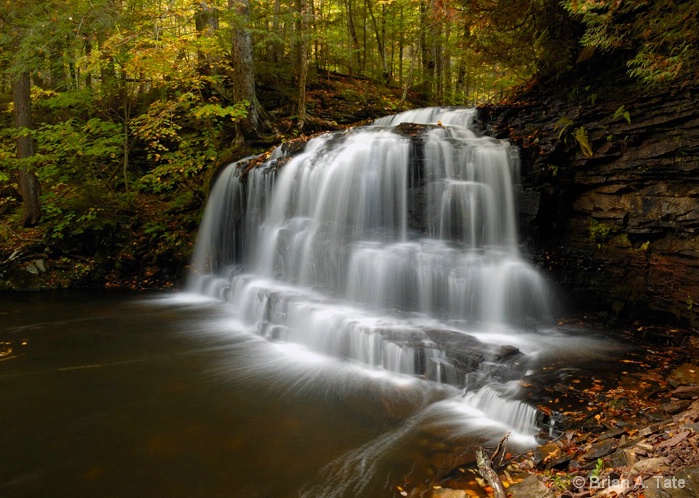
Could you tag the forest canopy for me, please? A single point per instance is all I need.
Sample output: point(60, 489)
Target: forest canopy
point(117, 113)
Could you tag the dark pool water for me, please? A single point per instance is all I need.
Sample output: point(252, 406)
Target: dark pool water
point(105, 395)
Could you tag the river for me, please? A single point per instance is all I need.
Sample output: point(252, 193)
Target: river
point(359, 315)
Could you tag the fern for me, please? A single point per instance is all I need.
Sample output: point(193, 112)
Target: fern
point(563, 123)
point(622, 113)
point(580, 135)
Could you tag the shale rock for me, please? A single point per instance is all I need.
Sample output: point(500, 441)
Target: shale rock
point(685, 484)
point(611, 194)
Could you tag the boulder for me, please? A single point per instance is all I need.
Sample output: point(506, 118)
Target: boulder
point(531, 487)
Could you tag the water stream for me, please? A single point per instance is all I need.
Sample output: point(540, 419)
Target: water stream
point(357, 313)
point(392, 257)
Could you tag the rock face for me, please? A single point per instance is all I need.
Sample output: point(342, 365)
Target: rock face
point(610, 195)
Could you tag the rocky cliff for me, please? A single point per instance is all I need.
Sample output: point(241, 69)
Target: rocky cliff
point(610, 194)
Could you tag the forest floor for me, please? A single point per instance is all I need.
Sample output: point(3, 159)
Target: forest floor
point(631, 429)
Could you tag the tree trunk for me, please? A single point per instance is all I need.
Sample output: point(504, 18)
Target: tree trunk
point(315, 16)
point(401, 42)
point(446, 67)
point(244, 71)
point(427, 47)
point(276, 47)
point(365, 50)
point(28, 183)
point(461, 81)
point(206, 24)
point(385, 75)
point(88, 56)
point(354, 39)
point(438, 67)
point(301, 60)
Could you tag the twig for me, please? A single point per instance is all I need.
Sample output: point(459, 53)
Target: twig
point(487, 473)
point(500, 450)
point(17, 236)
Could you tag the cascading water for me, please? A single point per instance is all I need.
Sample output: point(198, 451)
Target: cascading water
point(394, 250)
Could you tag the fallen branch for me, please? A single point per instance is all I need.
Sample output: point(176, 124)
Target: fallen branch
point(17, 236)
point(500, 450)
point(486, 471)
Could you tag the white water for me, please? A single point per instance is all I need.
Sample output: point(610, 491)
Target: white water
point(357, 251)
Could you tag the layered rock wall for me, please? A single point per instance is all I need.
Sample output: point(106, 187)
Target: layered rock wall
point(610, 200)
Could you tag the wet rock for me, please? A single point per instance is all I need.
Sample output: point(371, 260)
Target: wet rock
point(413, 129)
point(620, 459)
point(444, 463)
point(41, 265)
point(506, 352)
point(691, 478)
point(643, 449)
point(448, 493)
point(546, 452)
point(691, 427)
point(675, 407)
point(686, 374)
point(614, 433)
point(684, 484)
point(560, 463)
point(531, 487)
point(651, 466)
point(651, 429)
point(600, 450)
point(673, 441)
point(686, 392)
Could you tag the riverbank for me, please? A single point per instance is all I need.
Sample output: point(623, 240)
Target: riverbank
point(630, 430)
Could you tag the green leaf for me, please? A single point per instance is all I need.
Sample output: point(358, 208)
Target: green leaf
point(563, 123)
point(580, 135)
point(622, 113)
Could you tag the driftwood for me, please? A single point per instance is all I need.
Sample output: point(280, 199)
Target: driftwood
point(500, 450)
point(485, 468)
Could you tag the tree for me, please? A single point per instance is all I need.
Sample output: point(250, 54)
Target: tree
point(28, 183)
point(206, 23)
point(380, 33)
point(244, 70)
point(661, 37)
point(301, 69)
point(21, 63)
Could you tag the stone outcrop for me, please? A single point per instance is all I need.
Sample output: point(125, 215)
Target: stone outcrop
point(610, 195)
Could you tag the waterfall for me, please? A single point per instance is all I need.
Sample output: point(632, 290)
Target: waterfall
point(392, 250)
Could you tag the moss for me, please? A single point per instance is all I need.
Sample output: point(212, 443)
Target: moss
point(621, 240)
point(599, 232)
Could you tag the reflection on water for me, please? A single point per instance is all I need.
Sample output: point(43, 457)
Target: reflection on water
point(132, 396)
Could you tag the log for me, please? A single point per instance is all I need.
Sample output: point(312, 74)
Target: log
point(486, 471)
